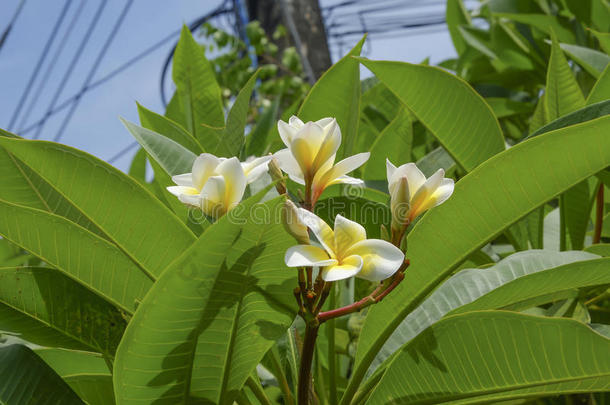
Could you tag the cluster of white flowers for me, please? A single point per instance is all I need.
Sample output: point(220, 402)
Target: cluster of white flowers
point(217, 184)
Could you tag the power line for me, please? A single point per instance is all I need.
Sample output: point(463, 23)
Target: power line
point(123, 152)
point(72, 65)
point(94, 68)
point(51, 66)
point(121, 68)
point(220, 10)
point(43, 56)
point(11, 23)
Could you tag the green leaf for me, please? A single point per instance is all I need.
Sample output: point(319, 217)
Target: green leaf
point(197, 92)
point(484, 203)
point(479, 40)
point(604, 40)
point(81, 255)
point(491, 356)
point(26, 379)
point(393, 143)
point(95, 389)
point(438, 158)
point(494, 288)
point(71, 362)
point(594, 62)
point(43, 306)
point(21, 185)
point(210, 318)
point(543, 287)
point(456, 15)
point(337, 94)
point(562, 95)
point(601, 249)
point(257, 143)
point(233, 135)
point(168, 128)
point(505, 107)
point(601, 89)
point(173, 157)
point(137, 168)
point(458, 117)
point(545, 23)
point(367, 213)
point(584, 114)
point(86, 373)
point(131, 217)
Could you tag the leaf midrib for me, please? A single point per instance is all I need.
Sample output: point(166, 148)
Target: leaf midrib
point(229, 356)
point(63, 332)
point(66, 273)
point(111, 239)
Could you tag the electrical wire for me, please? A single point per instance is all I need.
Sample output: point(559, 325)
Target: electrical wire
point(51, 66)
point(73, 62)
point(118, 70)
point(122, 152)
point(11, 23)
point(96, 65)
point(220, 10)
point(39, 63)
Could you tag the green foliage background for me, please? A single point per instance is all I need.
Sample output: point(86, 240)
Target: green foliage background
point(111, 291)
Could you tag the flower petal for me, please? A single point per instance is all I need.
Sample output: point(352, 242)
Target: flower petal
point(421, 201)
point(295, 122)
point(324, 122)
point(306, 144)
point(415, 178)
point(349, 267)
point(438, 196)
point(346, 180)
point(255, 168)
point(381, 259)
point(286, 131)
point(390, 169)
point(307, 255)
point(340, 169)
point(400, 203)
point(185, 179)
point(444, 191)
point(203, 168)
point(347, 233)
point(330, 145)
point(289, 165)
point(235, 181)
point(180, 190)
point(212, 197)
point(323, 232)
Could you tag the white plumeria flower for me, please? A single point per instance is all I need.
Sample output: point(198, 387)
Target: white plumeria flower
point(216, 185)
point(344, 252)
point(412, 194)
point(310, 154)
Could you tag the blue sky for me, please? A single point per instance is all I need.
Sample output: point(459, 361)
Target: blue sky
point(95, 126)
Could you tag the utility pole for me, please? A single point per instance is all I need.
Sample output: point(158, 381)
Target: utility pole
point(305, 26)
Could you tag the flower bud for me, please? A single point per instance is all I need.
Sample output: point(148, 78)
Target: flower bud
point(292, 223)
point(399, 204)
point(276, 175)
point(412, 194)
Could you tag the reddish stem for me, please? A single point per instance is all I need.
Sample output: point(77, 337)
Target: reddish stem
point(370, 299)
point(397, 279)
point(304, 386)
